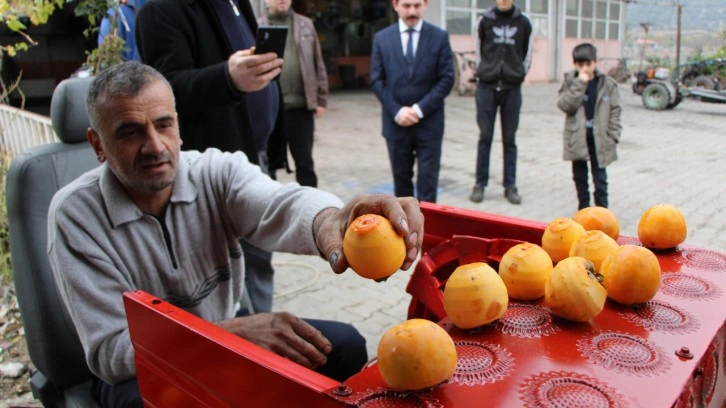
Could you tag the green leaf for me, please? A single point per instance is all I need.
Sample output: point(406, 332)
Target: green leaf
point(16, 25)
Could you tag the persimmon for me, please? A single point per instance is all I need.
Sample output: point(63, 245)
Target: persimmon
point(416, 354)
point(373, 248)
point(598, 218)
point(573, 291)
point(559, 236)
point(594, 246)
point(474, 295)
point(631, 274)
point(525, 268)
point(662, 226)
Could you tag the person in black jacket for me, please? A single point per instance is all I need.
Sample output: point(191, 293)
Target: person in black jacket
point(505, 52)
point(225, 96)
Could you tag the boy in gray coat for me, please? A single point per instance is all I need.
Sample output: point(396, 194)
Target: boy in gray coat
point(591, 101)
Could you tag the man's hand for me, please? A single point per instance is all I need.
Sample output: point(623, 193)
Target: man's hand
point(407, 116)
point(585, 70)
point(283, 334)
point(404, 213)
point(319, 112)
point(250, 72)
point(584, 75)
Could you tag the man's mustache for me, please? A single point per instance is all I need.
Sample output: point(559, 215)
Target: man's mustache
point(154, 160)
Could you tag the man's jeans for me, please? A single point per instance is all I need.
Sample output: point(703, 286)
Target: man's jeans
point(599, 178)
point(509, 102)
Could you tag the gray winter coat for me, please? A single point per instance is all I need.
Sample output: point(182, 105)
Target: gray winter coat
point(607, 126)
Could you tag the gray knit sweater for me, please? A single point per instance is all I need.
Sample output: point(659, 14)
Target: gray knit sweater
point(100, 245)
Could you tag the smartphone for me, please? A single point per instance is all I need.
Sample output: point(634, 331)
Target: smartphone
point(271, 39)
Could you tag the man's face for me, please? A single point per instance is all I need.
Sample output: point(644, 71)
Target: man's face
point(504, 5)
point(139, 138)
point(410, 11)
point(278, 6)
point(586, 66)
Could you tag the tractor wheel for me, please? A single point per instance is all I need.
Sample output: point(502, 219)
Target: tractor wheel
point(704, 82)
point(656, 97)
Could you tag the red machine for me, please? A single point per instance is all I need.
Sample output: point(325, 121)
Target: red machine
point(670, 352)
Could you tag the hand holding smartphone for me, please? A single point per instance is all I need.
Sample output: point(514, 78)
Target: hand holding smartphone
point(271, 39)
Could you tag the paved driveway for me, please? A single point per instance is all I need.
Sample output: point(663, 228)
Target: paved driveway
point(676, 156)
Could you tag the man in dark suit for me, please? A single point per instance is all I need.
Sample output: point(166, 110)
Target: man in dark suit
point(412, 72)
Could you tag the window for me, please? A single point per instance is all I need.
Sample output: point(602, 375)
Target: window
point(614, 11)
point(586, 28)
point(461, 15)
point(587, 8)
point(458, 22)
point(600, 28)
point(601, 11)
point(592, 19)
point(571, 28)
point(573, 8)
point(614, 32)
point(538, 6)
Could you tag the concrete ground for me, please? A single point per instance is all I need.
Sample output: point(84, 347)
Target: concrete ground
point(674, 157)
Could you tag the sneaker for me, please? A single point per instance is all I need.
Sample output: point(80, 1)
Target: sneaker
point(512, 196)
point(477, 194)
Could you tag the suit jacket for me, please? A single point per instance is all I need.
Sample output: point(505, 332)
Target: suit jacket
point(310, 60)
point(428, 84)
point(185, 41)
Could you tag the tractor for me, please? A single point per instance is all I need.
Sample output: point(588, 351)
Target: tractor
point(700, 80)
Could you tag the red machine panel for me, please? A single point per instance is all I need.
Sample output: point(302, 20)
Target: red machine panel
point(184, 361)
point(670, 352)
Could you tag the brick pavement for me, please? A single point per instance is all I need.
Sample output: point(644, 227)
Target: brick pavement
point(665, 157)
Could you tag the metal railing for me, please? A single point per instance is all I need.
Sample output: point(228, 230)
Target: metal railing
point(20, 130)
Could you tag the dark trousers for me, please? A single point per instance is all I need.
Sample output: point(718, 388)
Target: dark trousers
point(420, 147)
point(509, 103)
point(599, 178)
point(348, 357)
point(300, 134)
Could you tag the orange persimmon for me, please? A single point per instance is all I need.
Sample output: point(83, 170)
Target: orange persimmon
point(598, 218)
point(662, 226)
point(559, 236)
point(416, 354)
point(373, 248)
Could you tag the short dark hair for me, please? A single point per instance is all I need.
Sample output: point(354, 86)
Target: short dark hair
point(125, 79)
point(584, 52)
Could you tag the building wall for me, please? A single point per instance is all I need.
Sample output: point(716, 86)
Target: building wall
point(558, 26)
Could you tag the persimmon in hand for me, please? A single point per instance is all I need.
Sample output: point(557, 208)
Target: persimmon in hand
point(373, 248)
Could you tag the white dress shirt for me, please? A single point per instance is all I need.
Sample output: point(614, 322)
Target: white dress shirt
point(403, 28)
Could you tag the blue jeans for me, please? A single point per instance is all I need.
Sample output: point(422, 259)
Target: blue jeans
point(599, 178)
point(348, 357)
point(509, 103)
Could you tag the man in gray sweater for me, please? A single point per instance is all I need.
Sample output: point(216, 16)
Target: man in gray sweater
point(169, 223)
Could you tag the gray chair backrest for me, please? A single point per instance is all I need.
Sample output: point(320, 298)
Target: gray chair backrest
point(33, 178)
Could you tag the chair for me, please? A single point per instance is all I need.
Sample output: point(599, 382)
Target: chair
point(62, 378)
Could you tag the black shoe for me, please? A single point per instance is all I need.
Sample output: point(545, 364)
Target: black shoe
point(477, 194)
point(512, 196)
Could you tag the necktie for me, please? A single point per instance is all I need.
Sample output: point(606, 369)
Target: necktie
point(409, 48)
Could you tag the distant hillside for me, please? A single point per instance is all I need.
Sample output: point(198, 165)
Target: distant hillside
point(707, 15)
